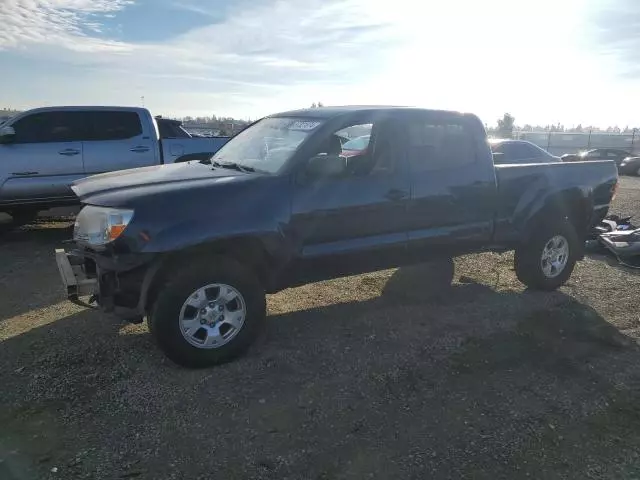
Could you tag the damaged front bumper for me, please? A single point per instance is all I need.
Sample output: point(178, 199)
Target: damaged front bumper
point(115, 284)
point(74, 277)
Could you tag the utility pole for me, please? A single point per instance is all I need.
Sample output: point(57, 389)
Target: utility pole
point(142, 100)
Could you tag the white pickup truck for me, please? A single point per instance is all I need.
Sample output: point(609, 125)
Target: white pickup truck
point(42, 151)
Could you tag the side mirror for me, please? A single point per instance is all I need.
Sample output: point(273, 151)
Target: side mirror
point(324, 165)
point(7, 134)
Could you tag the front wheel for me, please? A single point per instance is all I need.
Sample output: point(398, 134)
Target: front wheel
point(209, 314)
point(547, 260)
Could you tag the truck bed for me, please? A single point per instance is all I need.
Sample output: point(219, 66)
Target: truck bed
point(592, 180)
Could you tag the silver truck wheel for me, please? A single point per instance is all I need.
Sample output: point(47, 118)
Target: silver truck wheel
point(209, 312)
point(545, 261)
point(212, 315)
point(554, 256)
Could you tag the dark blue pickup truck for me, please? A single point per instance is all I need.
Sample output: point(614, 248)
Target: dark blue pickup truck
point(194, 247)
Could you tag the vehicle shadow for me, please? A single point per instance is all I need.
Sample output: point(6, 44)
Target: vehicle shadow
point(438, 380)
point(28, 272)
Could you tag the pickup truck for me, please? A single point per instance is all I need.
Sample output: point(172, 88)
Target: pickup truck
point(194, 247)
point(43, 151)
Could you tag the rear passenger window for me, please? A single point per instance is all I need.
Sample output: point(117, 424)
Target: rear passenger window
point(115, 125)
point(51, 127)
point(440, 145)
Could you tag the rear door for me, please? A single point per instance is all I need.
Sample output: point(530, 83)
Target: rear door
point(453, 184)
point(118, 140)
point(44, 158)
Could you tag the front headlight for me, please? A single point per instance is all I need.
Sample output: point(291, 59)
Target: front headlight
point(97, 226)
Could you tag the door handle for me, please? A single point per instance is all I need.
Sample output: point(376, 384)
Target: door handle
point(69, 151)
point(394, 194)
point(139, 149)
point(24, 173)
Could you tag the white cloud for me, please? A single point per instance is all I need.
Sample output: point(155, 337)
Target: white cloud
point(63, 23)
point(270, 49)
point(269, 55)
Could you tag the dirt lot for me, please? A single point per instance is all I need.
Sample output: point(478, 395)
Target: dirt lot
point(373, 376)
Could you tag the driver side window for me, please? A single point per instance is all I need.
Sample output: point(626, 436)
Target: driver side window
point(51, 127)
point(364, 152)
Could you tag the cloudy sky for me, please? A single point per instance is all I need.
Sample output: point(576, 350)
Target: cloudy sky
point(545, 61)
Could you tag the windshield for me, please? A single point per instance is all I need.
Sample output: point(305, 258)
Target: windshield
point(268, 144)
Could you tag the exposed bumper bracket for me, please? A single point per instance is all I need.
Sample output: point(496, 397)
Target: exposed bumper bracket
point(74, 278)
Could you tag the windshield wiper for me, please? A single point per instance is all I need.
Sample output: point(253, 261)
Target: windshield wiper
point(233, 166)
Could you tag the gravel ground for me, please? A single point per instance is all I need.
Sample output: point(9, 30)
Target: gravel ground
point(383, 375)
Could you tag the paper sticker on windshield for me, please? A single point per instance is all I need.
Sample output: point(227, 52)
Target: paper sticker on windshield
point(300, 125)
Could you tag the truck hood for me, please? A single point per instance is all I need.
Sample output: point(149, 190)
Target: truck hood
point(159, 178)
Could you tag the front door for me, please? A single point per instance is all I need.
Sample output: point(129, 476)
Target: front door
point(352, 221)
point(43, 159)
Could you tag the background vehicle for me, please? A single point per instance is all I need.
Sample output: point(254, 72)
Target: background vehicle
point(356, 146)
point(43, 151)
point(519, 151)
point(194, 247)
point(614, 154)
point(630, 166)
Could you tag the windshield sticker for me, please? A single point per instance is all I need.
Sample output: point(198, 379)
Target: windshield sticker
point(300, 125)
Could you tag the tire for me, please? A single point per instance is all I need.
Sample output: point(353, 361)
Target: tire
point(23, 217)
point(529, 264)
point(638, 172)
point(169, 313)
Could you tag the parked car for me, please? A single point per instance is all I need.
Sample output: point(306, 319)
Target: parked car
point(355, 146)
point(630, 166)
point(519, 151)
point(614, 154)
point(194, 247)
point(43, 151)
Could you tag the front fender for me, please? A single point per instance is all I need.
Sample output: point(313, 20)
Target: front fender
point(191, 233)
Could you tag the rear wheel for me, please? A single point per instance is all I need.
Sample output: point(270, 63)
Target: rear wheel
point(547, 260)
point(208, 315)
point(638, 172)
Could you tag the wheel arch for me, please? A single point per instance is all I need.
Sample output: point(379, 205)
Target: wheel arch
point(247, 250)
point(574, 206)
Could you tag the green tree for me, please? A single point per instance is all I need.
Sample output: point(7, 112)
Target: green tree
point(505, 126)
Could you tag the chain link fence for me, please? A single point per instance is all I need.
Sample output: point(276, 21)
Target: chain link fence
point(559, 143)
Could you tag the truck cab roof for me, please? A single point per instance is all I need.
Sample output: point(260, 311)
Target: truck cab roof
point(337, 111)
point(83, 108)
